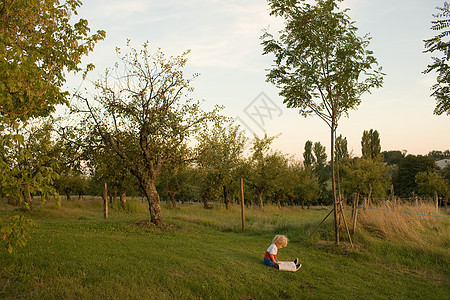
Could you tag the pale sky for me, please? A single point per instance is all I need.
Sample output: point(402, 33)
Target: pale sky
point(223, 36)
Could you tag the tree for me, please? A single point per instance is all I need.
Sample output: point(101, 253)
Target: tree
point(365, 176)
point(438, 43)
point(393, 157)
point(341, 148)
point(308, 157)
point(306, 186)
point(320, 154)
point(39, 43)
point(31, 164)
point(321, 66)
point(143, 115)
point(370, 144)
point(265, 167)
point(219, 155)
point(174, 176)
point(404, 182)
point(429, 182)
point(439, 154)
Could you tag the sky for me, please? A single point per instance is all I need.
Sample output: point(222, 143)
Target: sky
point(224, 39)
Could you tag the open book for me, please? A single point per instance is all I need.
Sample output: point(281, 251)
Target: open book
point(287, 266)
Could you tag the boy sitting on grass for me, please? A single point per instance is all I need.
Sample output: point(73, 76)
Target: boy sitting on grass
point(270, 257)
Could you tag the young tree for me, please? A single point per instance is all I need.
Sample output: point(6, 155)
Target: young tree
point(142, 115)
point(370, 144)
point(429, 182)
point(306, 184)
point(440, 44)
point(321, 66)
point(265, 166)
point(369, 177)
point(219, 155)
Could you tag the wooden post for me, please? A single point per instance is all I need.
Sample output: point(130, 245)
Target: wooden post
point(105, 201)
point(242, 205)
point(436, 199)
point(355, 215)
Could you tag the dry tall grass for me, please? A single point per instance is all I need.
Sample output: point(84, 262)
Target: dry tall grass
point(407, 222)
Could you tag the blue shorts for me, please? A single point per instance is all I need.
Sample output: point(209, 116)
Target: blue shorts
point(270, 263)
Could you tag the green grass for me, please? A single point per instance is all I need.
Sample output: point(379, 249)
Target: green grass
point(76, 254)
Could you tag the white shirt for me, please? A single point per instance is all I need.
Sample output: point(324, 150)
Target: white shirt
point(273, 249)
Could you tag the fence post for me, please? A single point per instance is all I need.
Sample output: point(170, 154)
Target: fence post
point(436, 199)
point(105, 201)
point(355, 215)
point(242, 205)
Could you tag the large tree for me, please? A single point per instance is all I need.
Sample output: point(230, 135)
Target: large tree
point(440, 44)
point(40, 42)
point(321, 65)
point(142, 113)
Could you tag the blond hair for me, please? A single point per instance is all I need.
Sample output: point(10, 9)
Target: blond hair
point(280, 240)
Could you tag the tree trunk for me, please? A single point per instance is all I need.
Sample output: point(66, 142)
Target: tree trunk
point(277, 198)
point(259, 197)
point(114, 194)
point(206, 205)
point(123, 198)
point(303, 203)
point(154, 204)
point(172, 198)
point(333, 183)
point(291, 201)
point(29, 200)
point(226, 197)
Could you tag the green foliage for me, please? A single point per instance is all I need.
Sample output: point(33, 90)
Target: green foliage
point(39, 42)
point(440, 44)
point(305, 184)
point(393, 157)
point(429, 182)
point(265, 167)
point(365, 176)
point(405, 182)
point(439, 154)
point(27, 166)
point(370, 144)
point(15, 233)
point(308, 157)
point(319, 60)
point(219, 154)
point(341, 148)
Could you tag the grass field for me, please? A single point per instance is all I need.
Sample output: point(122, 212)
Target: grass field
point(74, 253)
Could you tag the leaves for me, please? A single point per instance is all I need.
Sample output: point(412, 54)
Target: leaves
point(441, 90)
point(15, 233)
point(319, 60)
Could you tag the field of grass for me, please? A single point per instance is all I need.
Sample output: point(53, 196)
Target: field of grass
point(74, 253)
